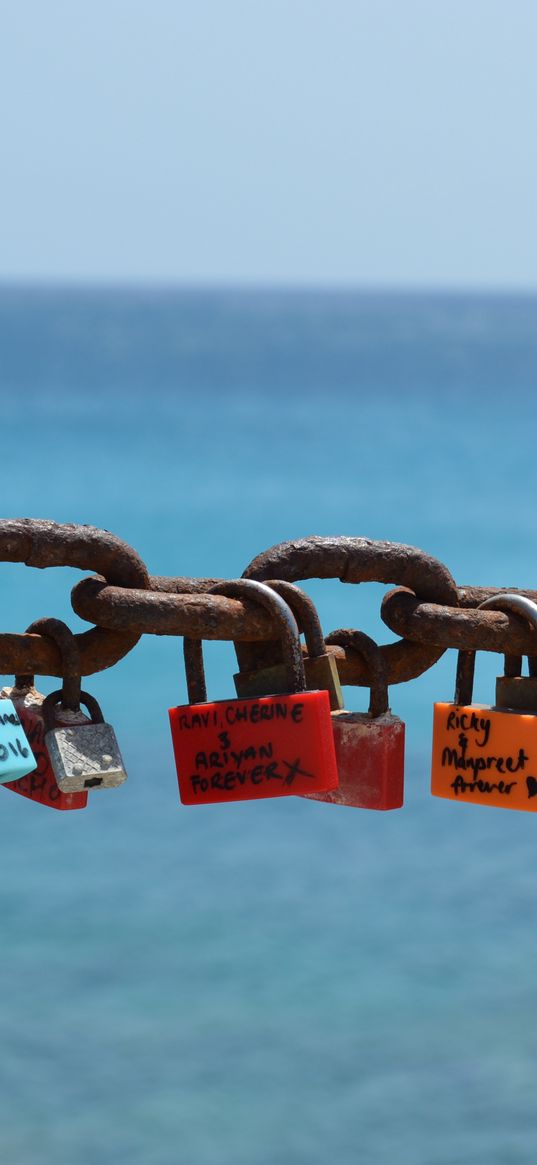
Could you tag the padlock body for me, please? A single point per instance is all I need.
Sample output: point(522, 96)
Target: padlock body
point(40, 785)
point(484, 755)
point(518, 692)
point(241, 750)
point(370, 756)
point(16, 756)
point(85, 756)
point(261, 681)
point(321, 673)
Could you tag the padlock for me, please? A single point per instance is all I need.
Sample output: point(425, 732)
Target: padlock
point(73, 754)
point(485, 754)
point(370, 746)
point(40, 785)
point(83, 756)
point(245, 749)
point(320, 666)
point(16, 756)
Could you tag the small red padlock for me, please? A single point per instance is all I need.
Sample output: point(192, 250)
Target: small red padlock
point(370, 746)
point(245, 749)
point(41, 785)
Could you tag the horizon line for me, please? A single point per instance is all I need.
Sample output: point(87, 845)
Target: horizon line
point(122, 283)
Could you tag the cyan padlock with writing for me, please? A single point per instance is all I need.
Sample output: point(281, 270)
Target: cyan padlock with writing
point(370, 746)
point(245, 749)
point(485, 754)
point(320, 666)
point(16, 756)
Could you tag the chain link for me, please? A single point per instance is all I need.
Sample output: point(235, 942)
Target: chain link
point(124, 601)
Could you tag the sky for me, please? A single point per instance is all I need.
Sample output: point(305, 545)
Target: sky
point(316, 142)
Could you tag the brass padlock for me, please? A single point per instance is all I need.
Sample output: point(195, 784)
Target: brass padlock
point(320, 665)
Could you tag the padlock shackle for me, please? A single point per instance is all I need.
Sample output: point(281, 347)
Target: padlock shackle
point(305, 612)
point(55, 699)
point(370, 651)
point(281, 613)
point(519, 605)
point(259, 592)
point(464, 680)
point(195, 671)
point(67, 645)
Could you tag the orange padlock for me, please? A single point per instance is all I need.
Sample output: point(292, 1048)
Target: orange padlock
point(484, 754)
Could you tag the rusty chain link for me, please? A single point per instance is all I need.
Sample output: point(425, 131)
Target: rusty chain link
point(123, 601)
point(356, 560)
point(465, 628)
point(40, 543)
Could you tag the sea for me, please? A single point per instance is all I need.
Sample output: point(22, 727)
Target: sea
point(280, 982)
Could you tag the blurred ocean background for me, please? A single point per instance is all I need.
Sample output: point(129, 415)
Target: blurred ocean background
point(280, 983)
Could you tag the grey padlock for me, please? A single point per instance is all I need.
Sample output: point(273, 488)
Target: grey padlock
point(83, 756)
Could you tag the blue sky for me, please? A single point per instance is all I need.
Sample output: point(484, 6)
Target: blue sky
point(388, 142)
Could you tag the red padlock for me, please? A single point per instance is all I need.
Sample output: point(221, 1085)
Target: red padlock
point(41, 784)
point(370, 746)
point(245, 749)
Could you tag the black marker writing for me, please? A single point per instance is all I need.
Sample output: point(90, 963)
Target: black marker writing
point(459, 785)
point(470, 722)
point(460, 760)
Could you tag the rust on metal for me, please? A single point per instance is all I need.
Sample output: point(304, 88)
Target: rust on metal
point(465, 628)
point(355, 560)
point(42, 543)
point(200, 615)
point(197, 614)
point(69, 659)
point(123, 601)
point(464, 681)
point(366, 648)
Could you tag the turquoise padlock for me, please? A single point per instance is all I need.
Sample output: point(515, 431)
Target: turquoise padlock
point(16, 756)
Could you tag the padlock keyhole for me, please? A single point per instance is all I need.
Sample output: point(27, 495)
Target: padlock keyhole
point(93, 782)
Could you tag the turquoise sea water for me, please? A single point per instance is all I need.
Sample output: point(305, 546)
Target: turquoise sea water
point(282, 983)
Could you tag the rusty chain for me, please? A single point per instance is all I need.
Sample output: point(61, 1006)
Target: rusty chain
point(124, 601)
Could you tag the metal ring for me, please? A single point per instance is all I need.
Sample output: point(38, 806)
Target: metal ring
point(283, 615)
point(40, 543)
point(287, 625)
point(64, 639)
point(370, 651)
point(305, 612)
point(355, 560)
point(471, 629)
point(193, 613)
point(56, 700)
